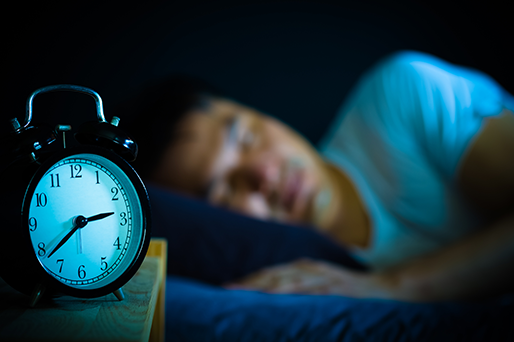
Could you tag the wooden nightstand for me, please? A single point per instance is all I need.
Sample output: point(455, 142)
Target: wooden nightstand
point(140, 317)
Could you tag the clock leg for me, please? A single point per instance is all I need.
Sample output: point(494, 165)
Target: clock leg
point(37, 293)
point(119, 294)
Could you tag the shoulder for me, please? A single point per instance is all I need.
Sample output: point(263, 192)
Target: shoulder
point(407, 60)
point(408, 70)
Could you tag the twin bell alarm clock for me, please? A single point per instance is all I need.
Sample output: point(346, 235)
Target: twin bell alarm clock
point(75, 220)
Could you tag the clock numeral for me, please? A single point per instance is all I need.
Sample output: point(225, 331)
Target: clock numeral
point(97, 178)
point(32, 224)
point(82, 272)
point(123, 217)
point(114, 190)
point(117, 243)
point(77, 168)
point(62, 263)
point(56, 184)
point(41, 200)
point(104, 264)
point(42, 250)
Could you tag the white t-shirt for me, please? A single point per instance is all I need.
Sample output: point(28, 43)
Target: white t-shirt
point(400, 137)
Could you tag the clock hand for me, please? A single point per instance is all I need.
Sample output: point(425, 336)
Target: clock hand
point(79, 238)
point(79, 222)
point(66, 238)
point(98, 217)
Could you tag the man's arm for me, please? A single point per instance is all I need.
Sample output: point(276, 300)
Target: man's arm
point(484, 262)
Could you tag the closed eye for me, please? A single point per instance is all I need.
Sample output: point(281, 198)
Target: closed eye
point(247, 139)
point(239, 135)
point(233, 132)
point(230, 146)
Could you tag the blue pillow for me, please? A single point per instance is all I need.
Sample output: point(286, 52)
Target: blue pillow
point(215, 245)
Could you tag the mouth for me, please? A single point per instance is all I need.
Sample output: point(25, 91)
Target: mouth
point(294, 192)
point(292, 189)
point(296, 189)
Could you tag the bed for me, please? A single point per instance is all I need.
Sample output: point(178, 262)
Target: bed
point(209, 246)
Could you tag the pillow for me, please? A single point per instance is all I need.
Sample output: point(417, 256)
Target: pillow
point(216, 245)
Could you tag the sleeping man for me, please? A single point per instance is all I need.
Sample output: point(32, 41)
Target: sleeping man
point(415, 178)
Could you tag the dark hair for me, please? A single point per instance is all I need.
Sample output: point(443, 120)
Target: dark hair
point(154, 112)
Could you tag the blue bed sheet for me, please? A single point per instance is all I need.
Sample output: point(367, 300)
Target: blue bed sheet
point(200, 312)
point(209, 246)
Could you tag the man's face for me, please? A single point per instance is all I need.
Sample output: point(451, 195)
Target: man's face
point(246, 161)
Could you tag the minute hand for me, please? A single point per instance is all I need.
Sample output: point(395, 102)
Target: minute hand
point(79, 222)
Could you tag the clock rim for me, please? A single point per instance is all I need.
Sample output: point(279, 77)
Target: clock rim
point(46, 279)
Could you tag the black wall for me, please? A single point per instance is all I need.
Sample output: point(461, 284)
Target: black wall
point(293, 59)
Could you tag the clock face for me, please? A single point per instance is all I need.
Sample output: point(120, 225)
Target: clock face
point(85, 221)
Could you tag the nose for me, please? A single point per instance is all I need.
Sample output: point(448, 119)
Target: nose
point(255, 173)
point(250, 188)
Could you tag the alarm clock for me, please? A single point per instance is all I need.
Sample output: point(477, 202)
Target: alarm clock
point(76, 220)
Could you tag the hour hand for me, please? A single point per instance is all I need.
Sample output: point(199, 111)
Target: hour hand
point(98, 217)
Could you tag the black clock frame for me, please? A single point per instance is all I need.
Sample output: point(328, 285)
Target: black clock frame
point(40, 274)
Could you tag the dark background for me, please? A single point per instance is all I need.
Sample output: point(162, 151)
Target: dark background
point(293, 59)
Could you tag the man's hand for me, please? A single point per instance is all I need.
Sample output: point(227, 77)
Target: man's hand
point(314, 277)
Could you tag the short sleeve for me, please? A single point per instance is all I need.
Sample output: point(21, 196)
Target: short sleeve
point(444, 104)
point(400, 136)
